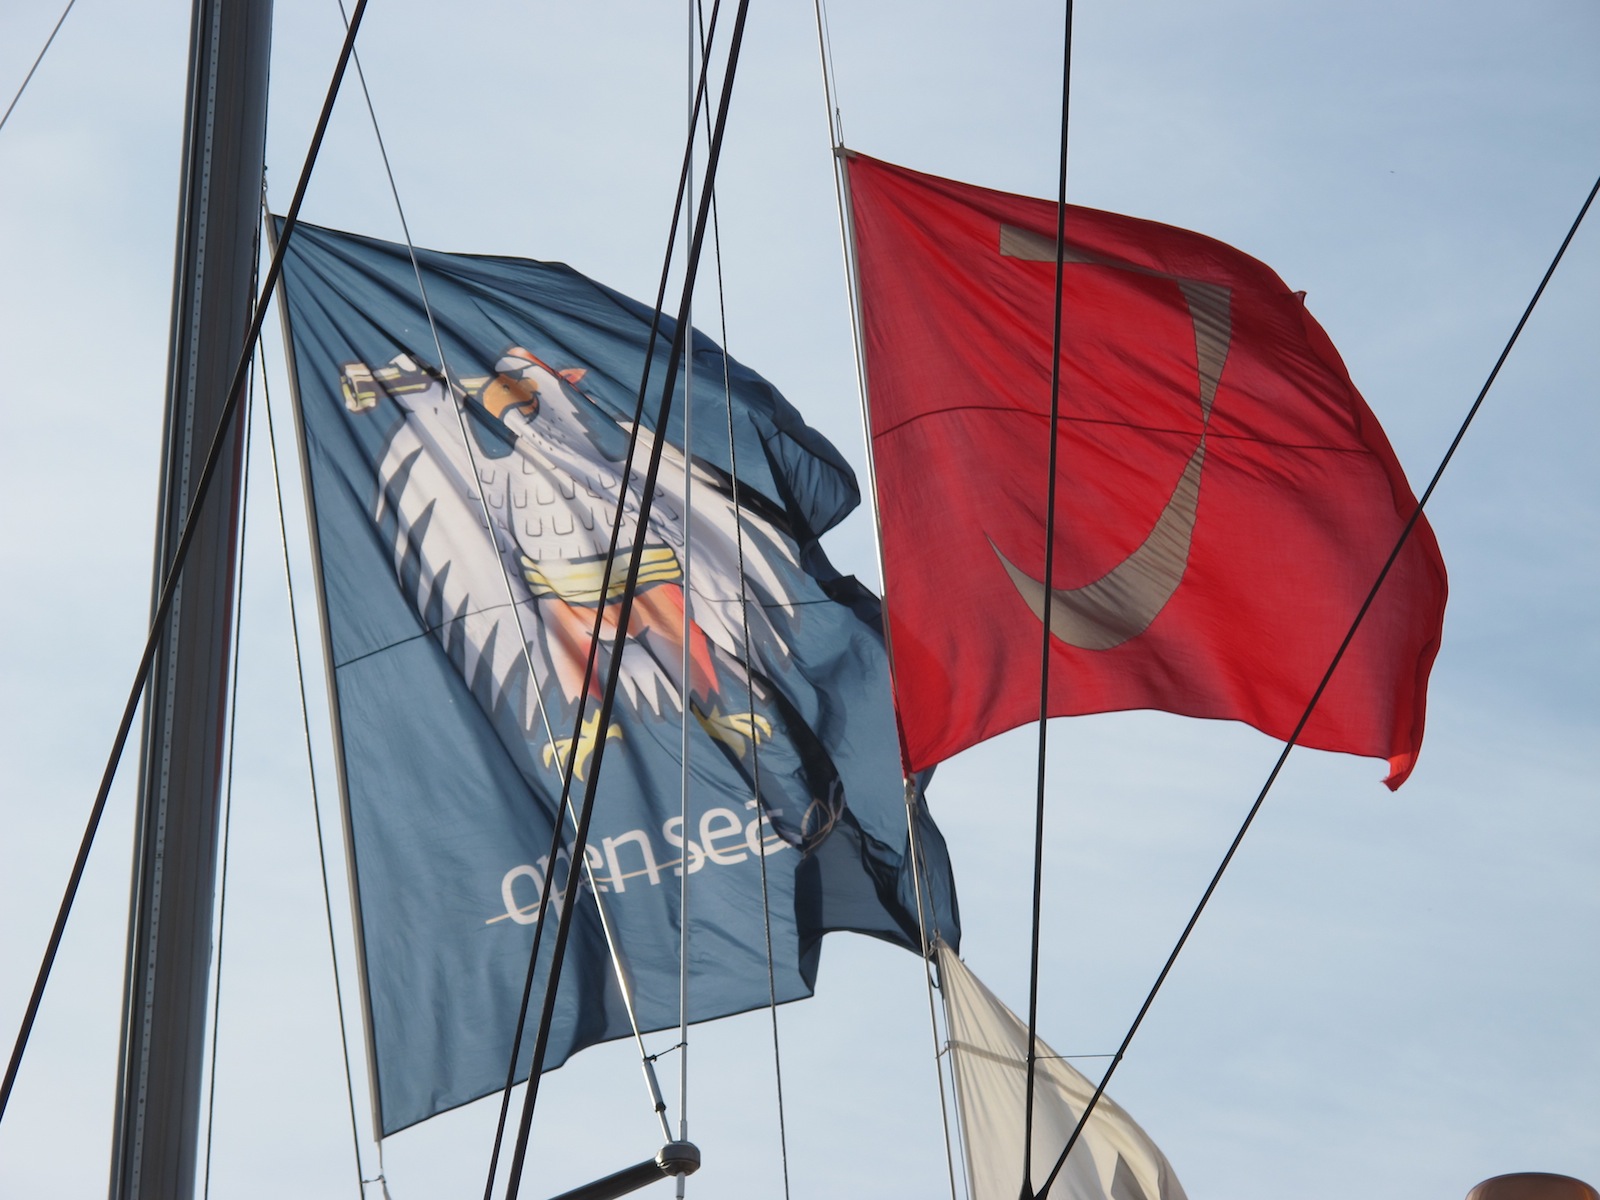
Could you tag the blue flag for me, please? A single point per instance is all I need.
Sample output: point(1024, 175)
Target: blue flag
point(462, 505)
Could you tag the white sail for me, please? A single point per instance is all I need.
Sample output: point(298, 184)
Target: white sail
point(1113, 1160)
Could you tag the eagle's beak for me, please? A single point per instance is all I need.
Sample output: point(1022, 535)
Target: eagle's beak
point(510, 391)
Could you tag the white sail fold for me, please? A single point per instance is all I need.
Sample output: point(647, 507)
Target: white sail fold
point(1113, 1160)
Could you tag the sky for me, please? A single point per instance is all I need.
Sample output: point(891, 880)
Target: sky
point(1391, 994)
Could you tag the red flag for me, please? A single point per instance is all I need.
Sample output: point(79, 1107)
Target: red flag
point(1225, 497)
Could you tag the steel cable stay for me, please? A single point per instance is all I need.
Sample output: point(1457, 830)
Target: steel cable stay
point(1316, 696)
point(589, 665)
point(232, 713)
point(755, 742)
point(625, 603)
point(618, 960)
point(744, 622)
point(596, 634)
point(919, 871)
point(258, 372)
point(311, 775)
point(1046, 635)
point(841, 188)
point(227, 789)
point(208, 471)
point(685, 687)
point(43, 50)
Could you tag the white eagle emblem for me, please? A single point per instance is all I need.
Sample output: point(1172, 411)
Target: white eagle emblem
point(502, 545)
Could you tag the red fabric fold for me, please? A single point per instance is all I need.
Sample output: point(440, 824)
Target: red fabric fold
point(1225, 497)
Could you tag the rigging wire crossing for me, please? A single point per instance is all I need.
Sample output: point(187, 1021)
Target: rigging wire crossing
point(686, 660)
point(588, 674)
point(744, 620)
point(311, 767)
point(625, 604)
point(619, 966)
point(841, 190)
point(28, 78)
point(1338, 657)
point(227, 790)
point(1046, 634)
point(208, 471)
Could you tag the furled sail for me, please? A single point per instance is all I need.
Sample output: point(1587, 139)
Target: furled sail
point(1113, 1160)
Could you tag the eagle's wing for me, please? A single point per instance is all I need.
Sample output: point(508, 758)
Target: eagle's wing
point(723, 535)
point(455, 567)
point(464, 575)
point(574, 436)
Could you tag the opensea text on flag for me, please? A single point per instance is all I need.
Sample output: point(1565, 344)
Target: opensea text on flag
point(726, 839)
point(462, 504)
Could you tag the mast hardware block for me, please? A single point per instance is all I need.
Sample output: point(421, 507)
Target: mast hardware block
point(679, 1158)
point(675, 1158)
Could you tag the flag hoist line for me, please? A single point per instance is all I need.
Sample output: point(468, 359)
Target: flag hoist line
point(701, 41)
point(625, 603)
point(1289, 745)
point(305, 729)
point(618, 958)
point(1045, 633)
point(841, 190)
point(163, 604)
point(226, 821)
point(588, 676)
point(581, 824)
point(692, 133)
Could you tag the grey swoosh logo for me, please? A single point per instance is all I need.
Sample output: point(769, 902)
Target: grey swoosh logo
point(1122, 603)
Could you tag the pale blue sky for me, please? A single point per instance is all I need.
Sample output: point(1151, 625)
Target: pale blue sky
point(1392, 996)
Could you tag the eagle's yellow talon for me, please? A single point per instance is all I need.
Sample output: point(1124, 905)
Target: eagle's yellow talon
point(588, 736)
point(735, 729)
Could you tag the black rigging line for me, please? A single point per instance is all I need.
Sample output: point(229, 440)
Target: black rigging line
point(557, 831)
point(28, 78)
point(233, 737)
point(1045, 637)
point(1399, 545)
point(444, 366)
point(625, 604)
point(749, 683)
point(311, 777)
point(208, 472)
point(227, 790)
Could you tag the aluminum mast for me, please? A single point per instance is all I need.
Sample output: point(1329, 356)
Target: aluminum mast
point(174, 870)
